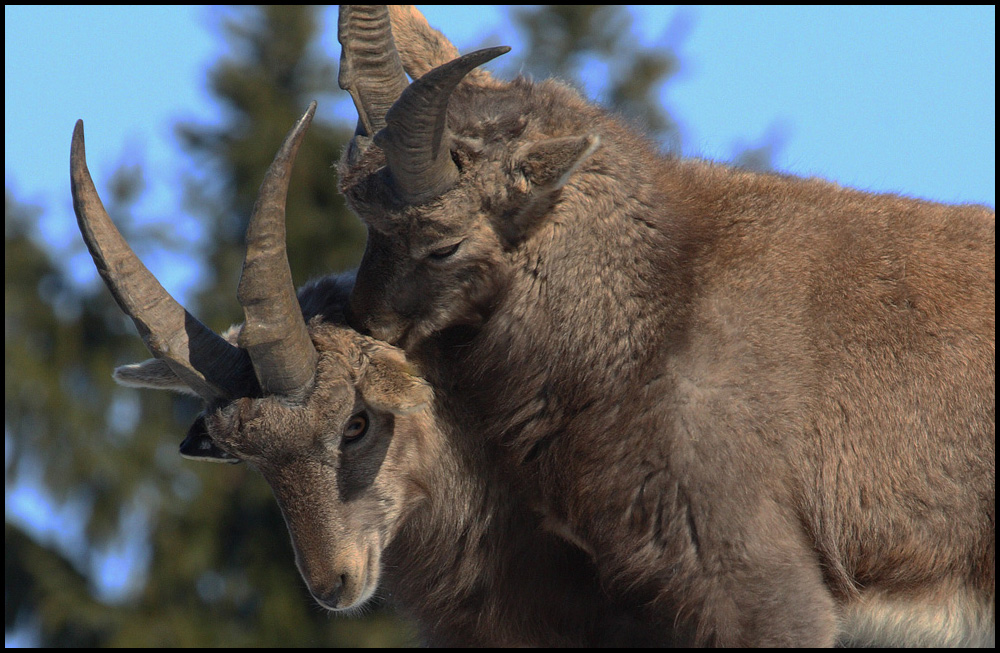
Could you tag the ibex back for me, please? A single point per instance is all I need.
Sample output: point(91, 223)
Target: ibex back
point(765, 405)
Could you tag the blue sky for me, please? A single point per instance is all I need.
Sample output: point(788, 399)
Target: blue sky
point(899, 99)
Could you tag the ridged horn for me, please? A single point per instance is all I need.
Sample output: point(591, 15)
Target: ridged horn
point(416, 139)
point(275, 333)
point(203, 360)
point(370, 68)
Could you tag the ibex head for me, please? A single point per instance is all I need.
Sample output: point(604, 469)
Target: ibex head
point(462, 170)
point(340, 462)
point(312, 406)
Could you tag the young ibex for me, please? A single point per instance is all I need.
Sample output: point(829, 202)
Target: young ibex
point(764, 404)
point(375, 490)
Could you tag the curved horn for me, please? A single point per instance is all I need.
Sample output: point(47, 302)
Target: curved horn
point(370, 69)
point(416, 139)
point(275, 332)
point(203, 360)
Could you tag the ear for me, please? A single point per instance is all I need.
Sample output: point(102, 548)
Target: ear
point(422, 48)
point(547, 166)
point(153, 373)
point(389, 383)
point(199, 446)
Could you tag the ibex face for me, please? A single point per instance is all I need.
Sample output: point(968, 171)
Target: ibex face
point(446, 274)
point(462, 169)
point(339, 463)
point(313, 408)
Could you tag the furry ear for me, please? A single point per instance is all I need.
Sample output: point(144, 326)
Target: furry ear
point(546, 165)
point(389, 383)
point(197, 445)
point(422, 48)
point(153, 373)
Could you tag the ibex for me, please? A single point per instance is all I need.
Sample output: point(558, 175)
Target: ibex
point(764, 405)
point(375, 490)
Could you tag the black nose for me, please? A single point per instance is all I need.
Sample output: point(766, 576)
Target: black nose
point(329, 597)
point(198, 445)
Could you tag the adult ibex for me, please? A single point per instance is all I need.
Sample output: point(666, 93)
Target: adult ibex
point(374, 489)
point(765, 405)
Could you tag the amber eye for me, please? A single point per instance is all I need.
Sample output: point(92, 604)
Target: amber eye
point(442, 253)
point(356, 426)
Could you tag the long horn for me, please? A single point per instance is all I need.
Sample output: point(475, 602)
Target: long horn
point(275, 332)
point(370, 69)
point(416, 139)
point(206, 362)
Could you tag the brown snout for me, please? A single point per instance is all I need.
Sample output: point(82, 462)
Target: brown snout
point(329, 594)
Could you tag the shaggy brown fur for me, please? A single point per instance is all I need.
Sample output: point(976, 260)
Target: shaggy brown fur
point(765, 405)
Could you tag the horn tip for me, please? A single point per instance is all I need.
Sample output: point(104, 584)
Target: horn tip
point(307, 117)
point(494, 52)
point(479, 57)
point(77, 142)
point(500, 50)
point(78, 157)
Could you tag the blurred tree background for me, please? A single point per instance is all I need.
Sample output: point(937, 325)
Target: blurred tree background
point(153, 550)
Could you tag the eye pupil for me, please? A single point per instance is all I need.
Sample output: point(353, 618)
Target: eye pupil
point(356, 427)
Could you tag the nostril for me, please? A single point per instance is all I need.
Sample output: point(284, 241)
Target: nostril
point(329, 597)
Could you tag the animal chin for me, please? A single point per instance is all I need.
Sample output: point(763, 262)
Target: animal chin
point(393, 333)
point(410, 333)
point(359, 585)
